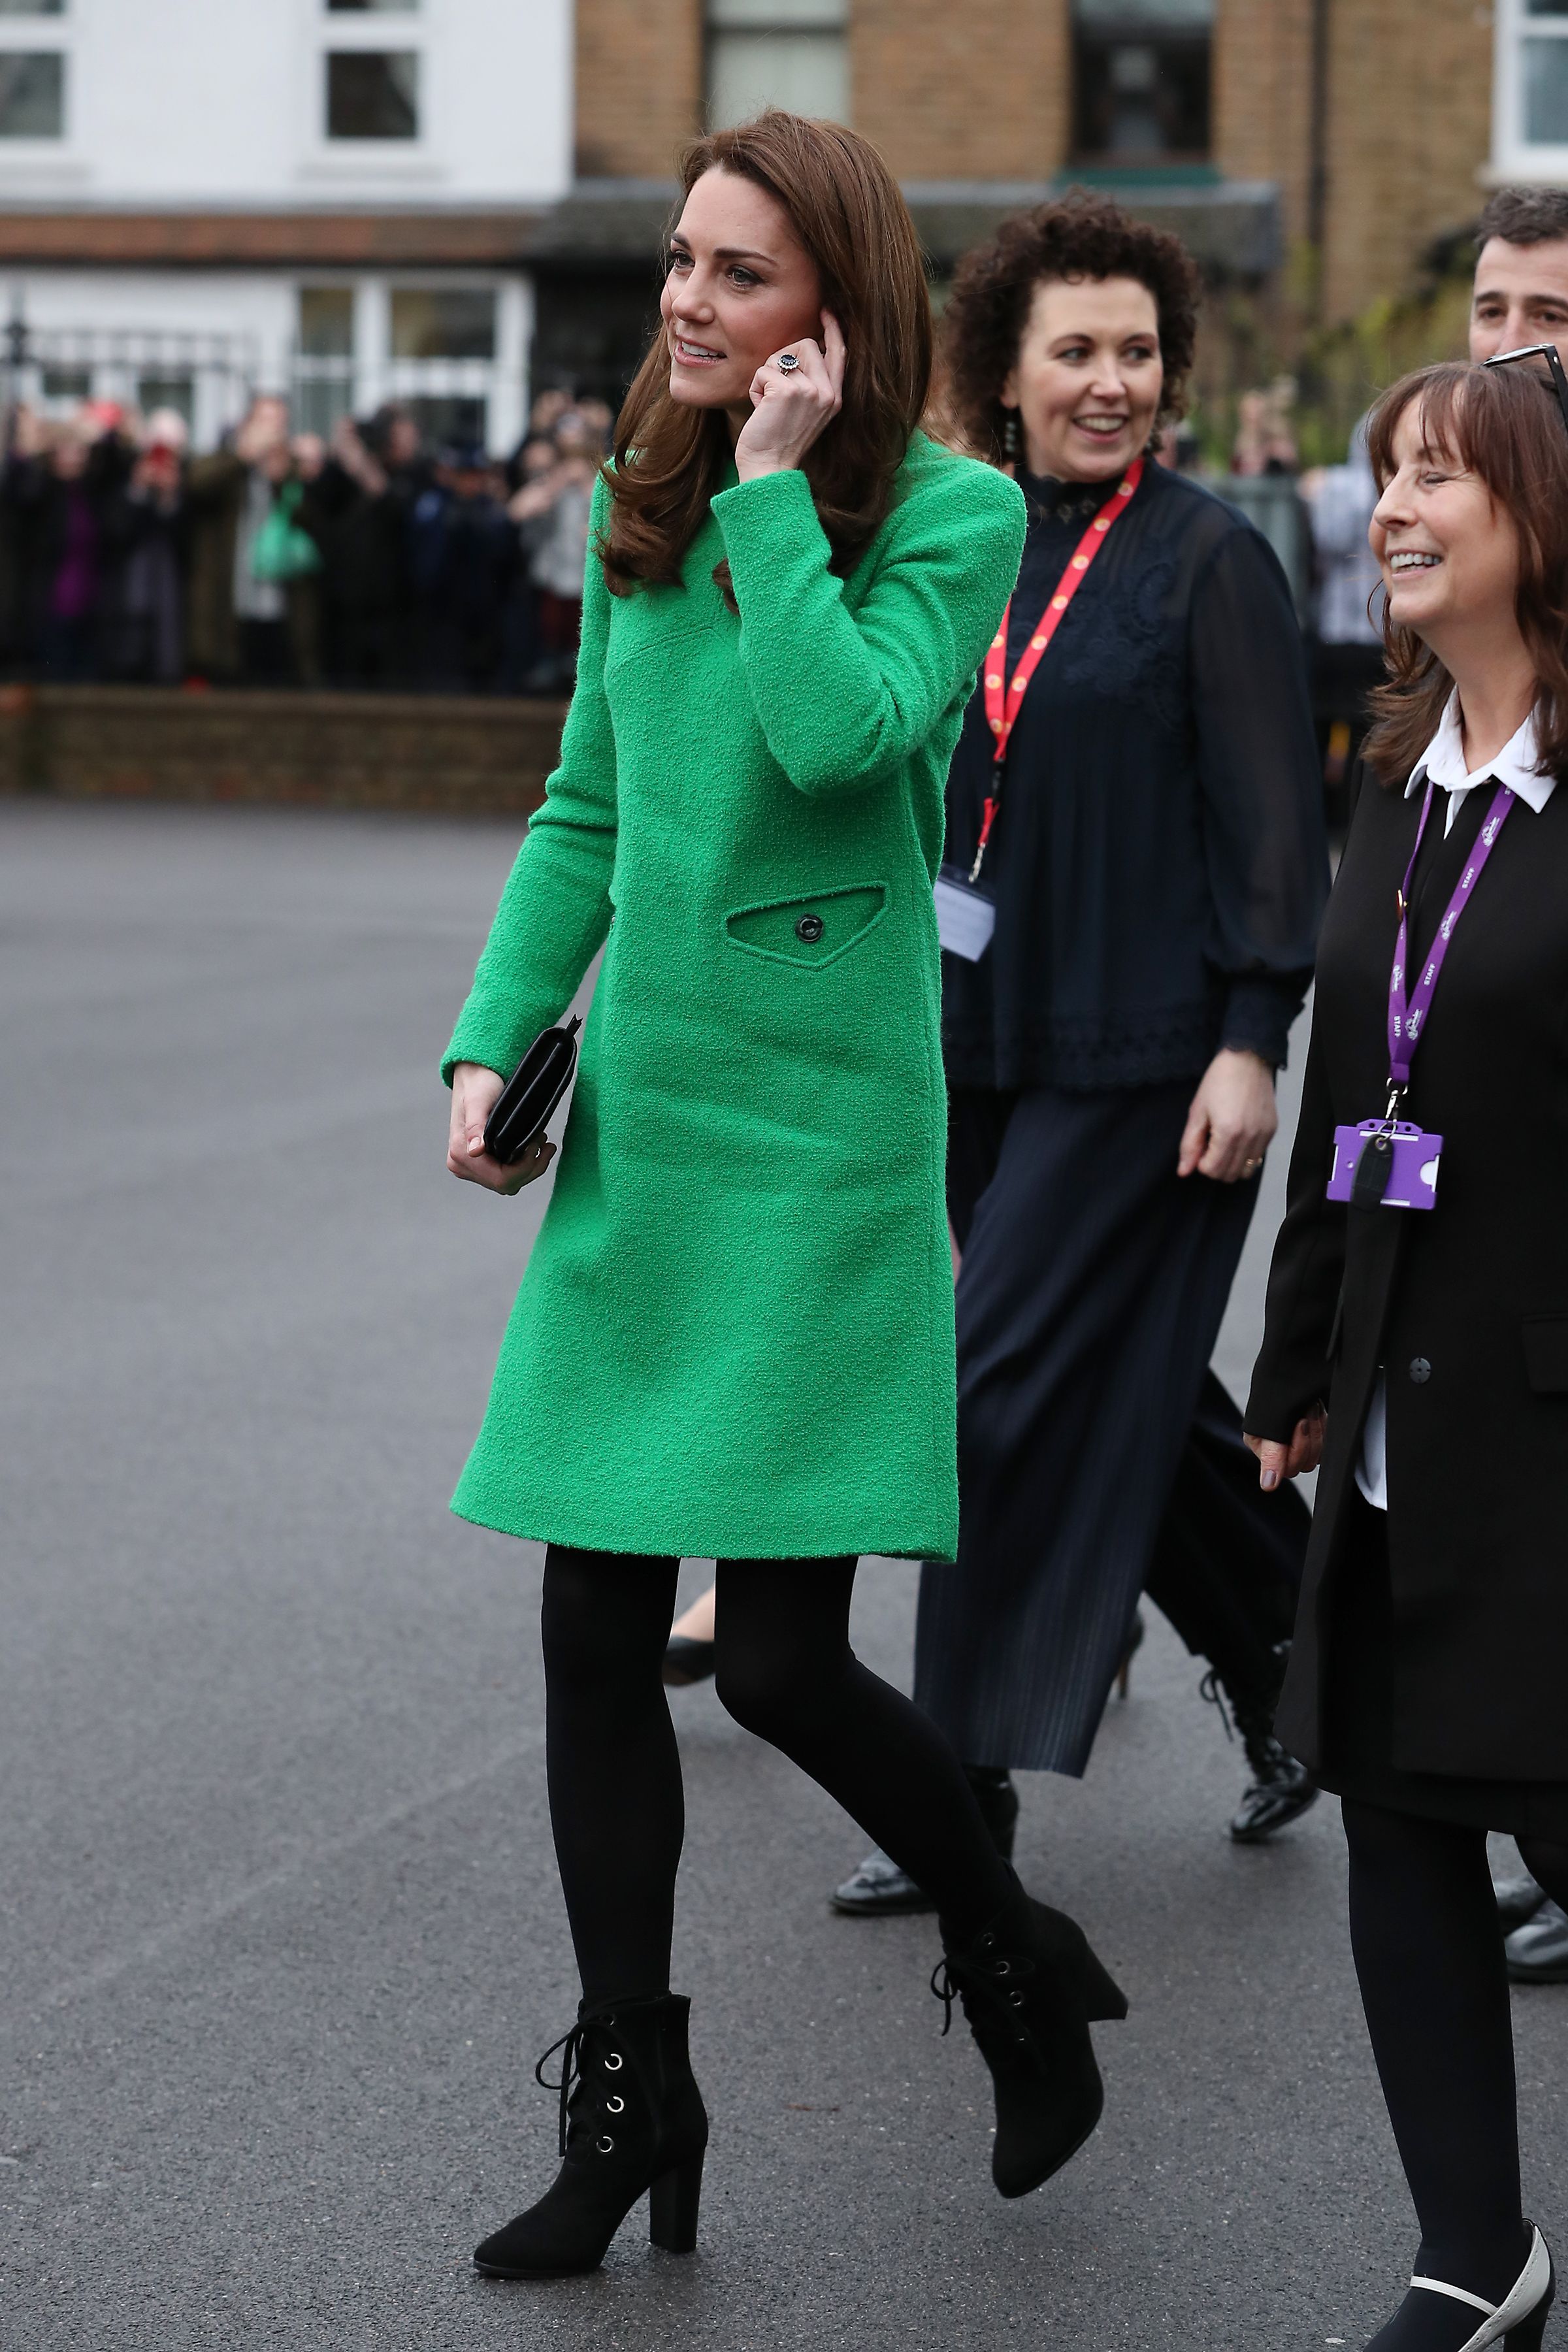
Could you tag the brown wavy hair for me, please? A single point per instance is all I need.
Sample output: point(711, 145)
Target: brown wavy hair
point(1080, 236)
point(844, 206)
point(1504, 425)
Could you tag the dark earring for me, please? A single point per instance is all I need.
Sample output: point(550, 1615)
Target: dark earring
point(1010, 437)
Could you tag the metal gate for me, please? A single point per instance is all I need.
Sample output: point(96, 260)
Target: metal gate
point(207, 378)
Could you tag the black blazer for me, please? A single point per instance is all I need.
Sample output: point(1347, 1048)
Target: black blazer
point(1466, 1306)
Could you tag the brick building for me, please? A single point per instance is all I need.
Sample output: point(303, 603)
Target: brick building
point(1318, 149)
point(448, 200)
point(329, 197)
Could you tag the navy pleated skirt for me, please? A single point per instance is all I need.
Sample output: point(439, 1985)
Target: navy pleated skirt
point(1093, 1282)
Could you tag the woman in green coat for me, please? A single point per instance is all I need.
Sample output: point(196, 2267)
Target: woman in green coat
point(734, 1338)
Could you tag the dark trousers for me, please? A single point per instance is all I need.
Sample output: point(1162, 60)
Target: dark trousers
point(1098, 1454)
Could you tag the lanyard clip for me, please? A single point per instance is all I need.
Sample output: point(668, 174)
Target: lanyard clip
point(1395, 1097)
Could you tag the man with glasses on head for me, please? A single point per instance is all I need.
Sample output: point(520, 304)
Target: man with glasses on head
point(1522, 272)
point(1520, 305)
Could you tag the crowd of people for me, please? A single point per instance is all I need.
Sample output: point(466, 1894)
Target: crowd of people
point(360, 560)
point(845, 697)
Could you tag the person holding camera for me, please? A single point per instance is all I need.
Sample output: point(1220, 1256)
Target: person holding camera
point(734, 1337)
point(1417, 1332)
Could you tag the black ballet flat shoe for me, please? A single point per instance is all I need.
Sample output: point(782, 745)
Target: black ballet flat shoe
point(1537, 1953)
point(1030, 1986)
point(686, 1662)
point(632, 2120)
point(1518, 1899)
point(1518, 2324)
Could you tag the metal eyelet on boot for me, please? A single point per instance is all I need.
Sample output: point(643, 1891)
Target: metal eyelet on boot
point(1016, 1999)
point(614, 2062)
point(616, 2106)
point(604, 2144)
point(1003, 1968)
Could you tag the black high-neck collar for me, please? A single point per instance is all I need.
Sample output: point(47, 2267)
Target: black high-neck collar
point(1050, 500)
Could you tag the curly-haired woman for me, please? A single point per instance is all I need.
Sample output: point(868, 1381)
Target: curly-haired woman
point(1143, 808)
point(734, 1338)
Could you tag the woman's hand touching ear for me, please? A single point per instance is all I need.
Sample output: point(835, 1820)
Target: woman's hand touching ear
point(791, 407)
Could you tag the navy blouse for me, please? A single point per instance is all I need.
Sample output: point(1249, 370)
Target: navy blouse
point(1159, 861)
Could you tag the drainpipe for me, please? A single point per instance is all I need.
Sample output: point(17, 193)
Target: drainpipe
point(1318, 149)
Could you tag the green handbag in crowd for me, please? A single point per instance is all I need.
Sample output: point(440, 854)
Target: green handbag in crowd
point(283, 551)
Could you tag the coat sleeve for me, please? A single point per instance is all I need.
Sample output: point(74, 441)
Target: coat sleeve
point(1306, 1276)
point(554, 913)
point(1264, 840)
point(844, 697)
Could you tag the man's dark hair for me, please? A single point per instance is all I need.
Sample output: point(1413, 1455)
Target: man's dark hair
point(1524, 217)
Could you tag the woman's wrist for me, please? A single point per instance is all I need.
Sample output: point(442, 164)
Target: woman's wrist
point(751, 468)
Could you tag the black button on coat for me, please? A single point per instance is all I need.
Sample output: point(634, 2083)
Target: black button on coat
point(1472, 1296)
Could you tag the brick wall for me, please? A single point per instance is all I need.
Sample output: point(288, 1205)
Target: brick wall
point(639, 85)
point(1410, 86)
point(977, 92)
point(1262, 97)
point(343, 751)
point(981, 91)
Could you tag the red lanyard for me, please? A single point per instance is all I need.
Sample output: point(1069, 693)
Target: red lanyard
point(1001, 710)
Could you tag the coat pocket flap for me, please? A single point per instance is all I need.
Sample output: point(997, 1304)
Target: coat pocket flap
point(811, 929)
point(1546, 1353)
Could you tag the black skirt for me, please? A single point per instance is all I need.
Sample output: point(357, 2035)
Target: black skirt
point(1093, 1282)
point(1358, 1706)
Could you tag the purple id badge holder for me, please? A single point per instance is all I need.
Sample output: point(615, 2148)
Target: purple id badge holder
point(1387, 1162)
point(1401, 1170)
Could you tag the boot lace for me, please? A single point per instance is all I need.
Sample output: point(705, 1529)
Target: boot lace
point(575, 2078)
point(1255, 1721)
point(998, 1982)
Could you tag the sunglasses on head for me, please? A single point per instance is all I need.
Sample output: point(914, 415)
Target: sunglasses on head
point(1554, 369)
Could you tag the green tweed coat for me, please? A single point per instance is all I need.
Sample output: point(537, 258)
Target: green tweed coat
point(734, 1335)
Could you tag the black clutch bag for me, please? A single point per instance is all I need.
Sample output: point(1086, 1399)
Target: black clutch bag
point(532, 1093)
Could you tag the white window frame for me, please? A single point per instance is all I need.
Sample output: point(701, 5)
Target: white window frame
point(35, 32)
point(1513, 157)
point(369, 158)
point(376, 376)
point(829, 17)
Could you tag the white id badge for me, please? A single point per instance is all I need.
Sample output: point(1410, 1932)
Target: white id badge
point(965, 917)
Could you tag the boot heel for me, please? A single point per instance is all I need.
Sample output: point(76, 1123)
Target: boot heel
point(672, 2207)
point(1104, 2001)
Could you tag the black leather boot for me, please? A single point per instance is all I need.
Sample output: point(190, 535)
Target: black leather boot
point(632, 2119)
point(1030, 1986)
point(1281, 1789)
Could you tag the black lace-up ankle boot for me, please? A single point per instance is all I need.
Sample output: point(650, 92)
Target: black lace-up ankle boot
point(1030, 1986)
point(1281, 1789)
point(632, 2119)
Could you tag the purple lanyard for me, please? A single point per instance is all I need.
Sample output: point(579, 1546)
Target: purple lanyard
point(1407, 1015)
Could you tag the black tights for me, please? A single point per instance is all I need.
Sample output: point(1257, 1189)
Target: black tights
point(786, 1671)
point(1429, 1955)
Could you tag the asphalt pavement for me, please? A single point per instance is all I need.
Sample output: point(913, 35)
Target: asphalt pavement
point(280, 1932)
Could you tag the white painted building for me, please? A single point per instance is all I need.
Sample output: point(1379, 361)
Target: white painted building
point(329, 197)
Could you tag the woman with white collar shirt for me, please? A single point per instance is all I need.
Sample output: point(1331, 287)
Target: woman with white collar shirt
point(1421, 1351)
